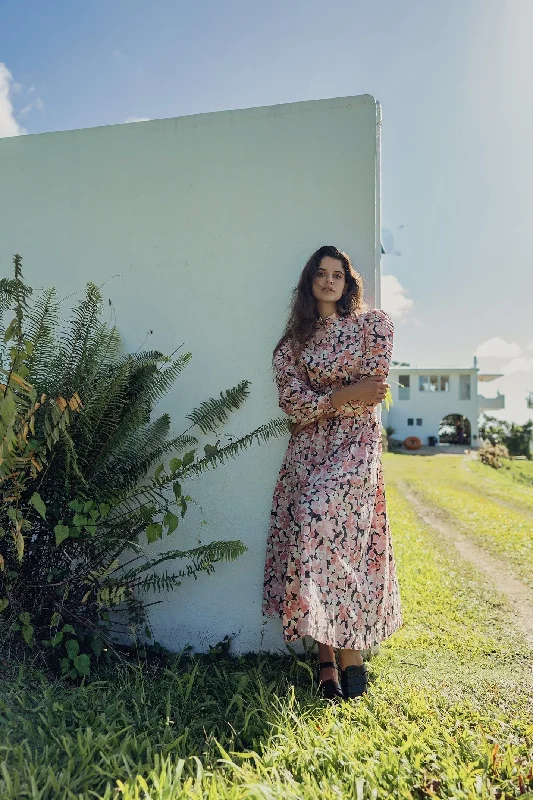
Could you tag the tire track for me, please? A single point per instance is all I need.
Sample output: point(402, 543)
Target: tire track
point(518, 593)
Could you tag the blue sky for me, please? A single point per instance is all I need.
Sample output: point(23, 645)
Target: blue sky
point(453, 78)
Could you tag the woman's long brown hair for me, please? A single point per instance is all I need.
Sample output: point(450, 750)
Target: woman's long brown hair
point(304, 312)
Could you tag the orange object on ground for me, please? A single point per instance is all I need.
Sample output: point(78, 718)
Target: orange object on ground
point(412, 443)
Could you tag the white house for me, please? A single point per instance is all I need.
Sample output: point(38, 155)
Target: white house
point(442, 403)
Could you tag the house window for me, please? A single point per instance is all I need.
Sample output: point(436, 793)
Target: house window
point(464, 387)
point(405, 387)
point(419, 420)
point(434, 383)
point(410, 421)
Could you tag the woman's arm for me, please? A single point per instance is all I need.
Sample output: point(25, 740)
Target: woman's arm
point(297, 398)
point(378, 333)
point(370, 387)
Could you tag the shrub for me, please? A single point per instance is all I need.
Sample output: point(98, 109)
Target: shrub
point(517, 438)
point(87, 476)
point(492, 454)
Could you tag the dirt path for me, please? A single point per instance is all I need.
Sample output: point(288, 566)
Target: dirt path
point(519, 595)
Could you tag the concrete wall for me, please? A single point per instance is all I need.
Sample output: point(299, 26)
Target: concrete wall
point(431, 407)
point(198, 227)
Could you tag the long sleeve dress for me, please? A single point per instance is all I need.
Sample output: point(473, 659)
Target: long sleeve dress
point(329, 567)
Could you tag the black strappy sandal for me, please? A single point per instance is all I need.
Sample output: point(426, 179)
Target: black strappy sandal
point(330, 689)
point(354, 681)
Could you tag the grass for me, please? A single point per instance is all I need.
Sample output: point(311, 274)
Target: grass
point(520, 471)
point(448, 713)
point(492, 508)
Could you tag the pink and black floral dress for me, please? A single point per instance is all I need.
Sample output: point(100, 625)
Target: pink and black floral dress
point(329, 569)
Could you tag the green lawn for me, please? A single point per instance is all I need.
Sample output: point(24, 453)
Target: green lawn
point(491, 506)
point(520, 471)
point(448, 713)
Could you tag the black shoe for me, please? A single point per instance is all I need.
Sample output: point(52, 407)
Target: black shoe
point(354, 681)
point(330, 689)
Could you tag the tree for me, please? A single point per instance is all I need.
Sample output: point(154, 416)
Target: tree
point(517, 438)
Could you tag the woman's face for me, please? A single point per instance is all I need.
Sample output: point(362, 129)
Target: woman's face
point(329, 280)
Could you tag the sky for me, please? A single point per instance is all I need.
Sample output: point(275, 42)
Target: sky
point(454, 81)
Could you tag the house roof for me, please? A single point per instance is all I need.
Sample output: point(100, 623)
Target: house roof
point(433, 370)
point(484, 377)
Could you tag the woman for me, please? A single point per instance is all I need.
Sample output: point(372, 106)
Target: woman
point(329, 569)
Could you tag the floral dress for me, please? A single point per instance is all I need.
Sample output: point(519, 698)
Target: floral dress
point(329, 568)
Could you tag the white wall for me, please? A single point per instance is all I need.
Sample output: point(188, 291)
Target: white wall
point(199, 227)
point(431, 407)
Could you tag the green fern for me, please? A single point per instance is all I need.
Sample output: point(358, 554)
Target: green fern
point(102, 486)
point(273, 429)
point(41, 323)
point(212, 413)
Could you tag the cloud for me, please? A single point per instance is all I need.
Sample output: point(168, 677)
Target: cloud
point(518, 365)
point(529, 346)
point(393, 297)
point(498, 348)
point(8, 124)
point(138, 119)
point(37, 103)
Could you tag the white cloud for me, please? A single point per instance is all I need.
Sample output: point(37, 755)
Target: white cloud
point(518, 365)
point(8, 124)
point(138, 119)
point(498, 348)
point(529, 346)
point(37, 103)
point(393, 297)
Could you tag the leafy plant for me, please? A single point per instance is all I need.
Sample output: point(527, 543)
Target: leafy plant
point(492, 454)
point(517, 438)
point(88, 479)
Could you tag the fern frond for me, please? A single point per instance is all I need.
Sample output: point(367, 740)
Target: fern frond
point(202, 558)
point(129, 463)
point(142, 384)
point(214, 412)
point(14, 296)
point(270, 430)
point(163, 379)
point(40, 331)
point(78, 339)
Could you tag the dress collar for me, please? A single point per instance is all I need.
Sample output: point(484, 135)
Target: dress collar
point(329, 319)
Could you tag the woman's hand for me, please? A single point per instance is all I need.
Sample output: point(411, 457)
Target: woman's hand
point(370, 390)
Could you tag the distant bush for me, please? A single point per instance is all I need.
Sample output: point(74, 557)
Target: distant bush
point(517, 438)
point(492, 454)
